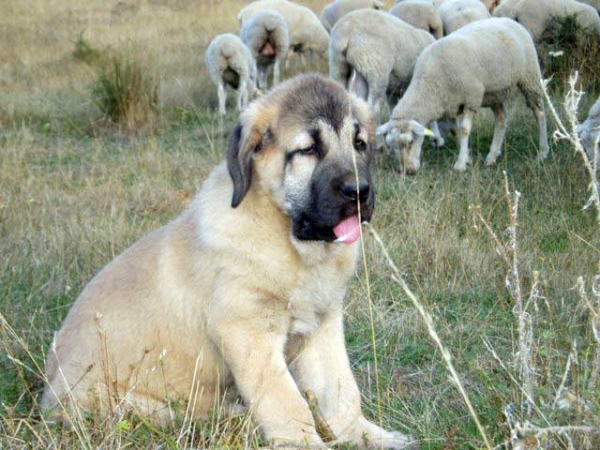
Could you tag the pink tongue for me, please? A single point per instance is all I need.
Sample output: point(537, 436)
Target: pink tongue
point(348, 230)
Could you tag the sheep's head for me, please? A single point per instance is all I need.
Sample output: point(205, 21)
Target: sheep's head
point(405, 137)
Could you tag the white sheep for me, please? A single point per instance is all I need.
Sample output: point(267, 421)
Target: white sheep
point(420, 14)
point(435, 3)
point(305, 30)
point(336, 9)
point(266, 35)
point(481, 64)
point(589, 131)
point(372, 52)
point(230, 63)
point(592, 3)
point(537, 15)
point(458, 13)
point(491, 4)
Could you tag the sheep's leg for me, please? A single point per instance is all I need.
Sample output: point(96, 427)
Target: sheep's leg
point(533, 97)
point(222, 94)
point(376, 96)
point(358, 84)
point(287, 59)
point(262, 77)
point(500, 124)
point(276, 73)
point(242, 95)
point(464, 130)
point(540, 115)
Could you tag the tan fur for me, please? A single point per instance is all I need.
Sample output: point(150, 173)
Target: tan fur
point(223, 300)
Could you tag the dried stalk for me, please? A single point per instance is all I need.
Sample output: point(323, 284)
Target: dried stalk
point(397, 277)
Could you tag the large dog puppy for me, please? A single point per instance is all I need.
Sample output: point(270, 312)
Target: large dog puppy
point(243, 292)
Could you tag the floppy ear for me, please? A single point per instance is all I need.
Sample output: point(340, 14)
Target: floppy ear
point(240, 171)
point(242, 146)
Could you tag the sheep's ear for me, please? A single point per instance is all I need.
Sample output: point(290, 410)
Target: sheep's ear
point(419, 129)
point(379, 4)
point(243, 143)
point(383, 129)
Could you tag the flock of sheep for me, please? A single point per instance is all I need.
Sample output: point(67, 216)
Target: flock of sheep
point(424, 60)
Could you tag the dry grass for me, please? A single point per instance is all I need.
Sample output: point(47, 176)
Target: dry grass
point(75, 193)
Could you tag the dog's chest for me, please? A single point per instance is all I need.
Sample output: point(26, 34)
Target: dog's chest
point(317, 293)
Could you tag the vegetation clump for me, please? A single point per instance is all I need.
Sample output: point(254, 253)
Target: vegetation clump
point(125, 93)
point(84, 51)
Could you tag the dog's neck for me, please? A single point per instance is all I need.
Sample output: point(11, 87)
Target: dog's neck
point(313, 253)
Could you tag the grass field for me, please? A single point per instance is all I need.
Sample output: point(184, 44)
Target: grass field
point(76, 190)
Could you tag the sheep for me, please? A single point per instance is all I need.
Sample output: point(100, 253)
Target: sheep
point(481, 64)
point(372, 52)
point(420, 14)
point(230, 62)
point(457, 13)
point(266, 34)
point(538, 15)
point(305, 30)
point(593, 3)
point(491, 4)
point(435, 3)
point(589, 131)
point(336, 9)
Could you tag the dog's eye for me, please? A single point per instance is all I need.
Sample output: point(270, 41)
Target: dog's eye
point(312, 150)
point(360, 145)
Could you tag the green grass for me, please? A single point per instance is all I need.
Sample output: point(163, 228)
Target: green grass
point(70, 204)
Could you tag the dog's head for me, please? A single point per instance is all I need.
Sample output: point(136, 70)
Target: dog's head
point(307, 145)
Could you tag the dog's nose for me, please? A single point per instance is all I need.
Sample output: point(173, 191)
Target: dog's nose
point(350, 191)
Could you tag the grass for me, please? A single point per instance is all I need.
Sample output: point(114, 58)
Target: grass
point(75, 193)
point(125, 93)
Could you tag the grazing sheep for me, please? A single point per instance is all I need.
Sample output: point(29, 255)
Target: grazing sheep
point(589, 131)
point(230, 63)
point(266, 35)
point(336, 9)
point(420, 14)
point(305, 30)
point(458, 13)
point(592, 3)
point(537, 15)
point(372, 52)
point(481, 64)
point(491, 5)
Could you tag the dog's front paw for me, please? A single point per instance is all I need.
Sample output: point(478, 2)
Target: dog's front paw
point(375, 437)
point(396, 440)
point(392, 440)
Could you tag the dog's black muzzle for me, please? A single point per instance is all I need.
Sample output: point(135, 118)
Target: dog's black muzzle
point(333, 201)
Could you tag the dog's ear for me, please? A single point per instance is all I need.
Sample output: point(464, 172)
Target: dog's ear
point(243, 143)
